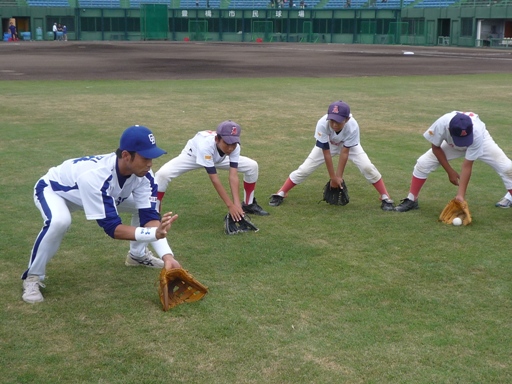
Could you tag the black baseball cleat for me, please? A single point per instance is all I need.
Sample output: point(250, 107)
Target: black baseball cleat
point(387, 205)
point(254, 209)
point(275, 200)
point(406, 205)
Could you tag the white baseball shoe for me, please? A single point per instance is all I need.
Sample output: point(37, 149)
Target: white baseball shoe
point(148, 260)
point(504, 203)
point(31, 292)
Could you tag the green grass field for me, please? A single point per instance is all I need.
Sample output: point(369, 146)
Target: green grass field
point(321, 294)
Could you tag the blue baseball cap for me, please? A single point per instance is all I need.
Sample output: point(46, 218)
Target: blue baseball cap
point(229, 131)
point(461, 130)
point(140, 139)
point(338, 111)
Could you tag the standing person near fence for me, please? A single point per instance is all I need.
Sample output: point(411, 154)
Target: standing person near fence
point(12, 29)
point(336, 134)
point(102, 186)
point(54, 29)
point(59, 32)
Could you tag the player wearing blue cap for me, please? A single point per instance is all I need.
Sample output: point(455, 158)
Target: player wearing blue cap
point(102, 185)
point(454, 135)
point(336, 134)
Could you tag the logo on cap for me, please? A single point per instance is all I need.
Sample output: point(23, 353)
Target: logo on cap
point(229, 131)
point(140, 139)
point(338, 111)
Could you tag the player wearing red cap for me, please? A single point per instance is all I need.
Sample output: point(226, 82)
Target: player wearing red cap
point(212, 150)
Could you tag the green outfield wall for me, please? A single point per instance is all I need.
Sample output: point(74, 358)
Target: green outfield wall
point(469, 26)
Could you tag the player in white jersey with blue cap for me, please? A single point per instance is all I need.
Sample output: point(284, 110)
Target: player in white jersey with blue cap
point(454, 135)
point(336, 134)
point(102, 185)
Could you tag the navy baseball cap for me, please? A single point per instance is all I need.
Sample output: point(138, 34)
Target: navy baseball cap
point(461, 130)
point(229, 131)
point(140, 139)
point(338, 111)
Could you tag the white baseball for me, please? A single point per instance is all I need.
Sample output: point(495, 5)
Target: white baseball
point(457, 221)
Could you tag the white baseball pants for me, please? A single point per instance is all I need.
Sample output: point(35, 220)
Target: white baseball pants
point(56, 214)
point(493, 155)
point(316, 158)
point(185, 163)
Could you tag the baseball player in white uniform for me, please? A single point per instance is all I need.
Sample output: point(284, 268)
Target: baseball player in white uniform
point(101, 186)
point(214, 150)
point(454, 135)
point(336, 134)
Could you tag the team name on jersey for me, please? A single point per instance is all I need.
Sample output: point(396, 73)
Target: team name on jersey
point(88, 158)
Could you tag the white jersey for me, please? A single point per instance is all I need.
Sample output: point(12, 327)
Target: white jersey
point(203, 148)
point(348, 137)
point(93, 183)
point(439, 132)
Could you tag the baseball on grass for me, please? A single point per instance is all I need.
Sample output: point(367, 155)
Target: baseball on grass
point(457, 221)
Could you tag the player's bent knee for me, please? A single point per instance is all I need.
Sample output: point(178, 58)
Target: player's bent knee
point(371, 174)
point(59, 224)
point(507, 172)
point(420, 171)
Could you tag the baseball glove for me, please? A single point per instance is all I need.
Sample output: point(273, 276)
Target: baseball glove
point(177, 286)
point(336, 196)
point(232, 227)
point(453, 209)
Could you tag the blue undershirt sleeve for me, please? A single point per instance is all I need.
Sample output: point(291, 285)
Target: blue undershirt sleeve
point(322, 145)
point(148, 214)
point(109, 225)
point(211, 170)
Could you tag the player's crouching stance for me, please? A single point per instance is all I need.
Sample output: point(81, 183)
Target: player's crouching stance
point(211, 150)
point(336, 133)
point(101, 186)
point(455, 135)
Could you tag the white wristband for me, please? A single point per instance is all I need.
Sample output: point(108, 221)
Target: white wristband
point(144, 234)
point(162, 247)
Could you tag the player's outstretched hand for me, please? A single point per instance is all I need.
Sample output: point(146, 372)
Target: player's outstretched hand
point(454, 177)
point(170, 262)
point(236, 212)
point(165, 224)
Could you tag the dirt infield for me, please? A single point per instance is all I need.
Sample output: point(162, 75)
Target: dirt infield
point(190, 60)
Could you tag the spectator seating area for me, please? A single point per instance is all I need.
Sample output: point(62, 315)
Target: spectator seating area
point(257, 4)
point(100, 3)
point(137, 3)
point(200, 3)
point(434, 3)
point(367, 3)
point(48, 3)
